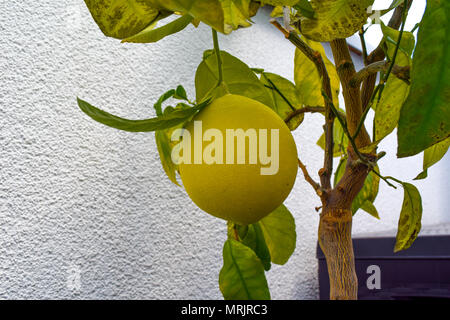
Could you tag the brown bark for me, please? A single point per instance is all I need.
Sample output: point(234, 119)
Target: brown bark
point(336, 217)
point(335, 240)
point(335, 229)
point(352, 96)
point(335, 226)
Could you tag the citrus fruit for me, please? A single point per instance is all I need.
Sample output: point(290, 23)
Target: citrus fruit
point(240, 159)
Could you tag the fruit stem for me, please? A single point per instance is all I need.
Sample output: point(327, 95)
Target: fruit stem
point(219, 58)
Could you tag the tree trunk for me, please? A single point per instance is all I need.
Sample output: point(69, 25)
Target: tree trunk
point(335, 229)
point(335, 240)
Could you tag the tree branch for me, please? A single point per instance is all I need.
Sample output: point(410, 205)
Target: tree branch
point(314, 184)
point(378, 54)
point(310, 109)
point(302, 110)
point(363, 45)
point(219, 59)
point(400, 72)
point(316, 58)
point(346, 71)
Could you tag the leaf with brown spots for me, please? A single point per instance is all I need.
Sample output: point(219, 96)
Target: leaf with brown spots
point(123, 18)
point(425, 116)
point(409, 223)
point(387, 110)
point(335, 19)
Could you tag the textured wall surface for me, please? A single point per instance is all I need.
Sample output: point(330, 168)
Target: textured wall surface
point(86, 211)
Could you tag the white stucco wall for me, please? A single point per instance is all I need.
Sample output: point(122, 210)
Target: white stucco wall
point(87, 212)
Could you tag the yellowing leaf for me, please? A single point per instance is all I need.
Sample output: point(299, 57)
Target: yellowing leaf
point(340, 140)
point(432, 155)
point(335, 19)
point(150, 34)
point(280, 2)
point(387, 110)
point(285, 98)
point(308, 81)
point(366, 196)
point(123, 18)
point(409, 223)
point(277, 12)
point(222, 15)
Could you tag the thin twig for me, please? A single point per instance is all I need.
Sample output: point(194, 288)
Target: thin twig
point(274, 87)
point(394, 179)
point(383, 178)
point(363, 45)
point(394, 56)
point(400, 72)
point(314, 184)
point(350, 138)
point(387, 178)
point(218, 55)
point(302, 110)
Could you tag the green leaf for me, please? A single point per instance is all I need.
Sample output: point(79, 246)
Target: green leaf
point(279, 232)
point(340, 140)
point(237, 76)
point(305, 8)
point(406, 47)
point(236, 14)
point(123, 18)
point(162, 138)
point(409, 223)
point(166, 120)
point(180, 93)
point(422, 175)
point(369, 207)
point(285, 98)
point(339, 171)
point(242, 275)
point(308, 81)
point(366, 196)
point(251, 236)
point(254, 239)
point(335, 19)
point(158, 105)
point(424, 116)
point(277, 12)
point(150, 34)
point(432, 155)
point(387, 110)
